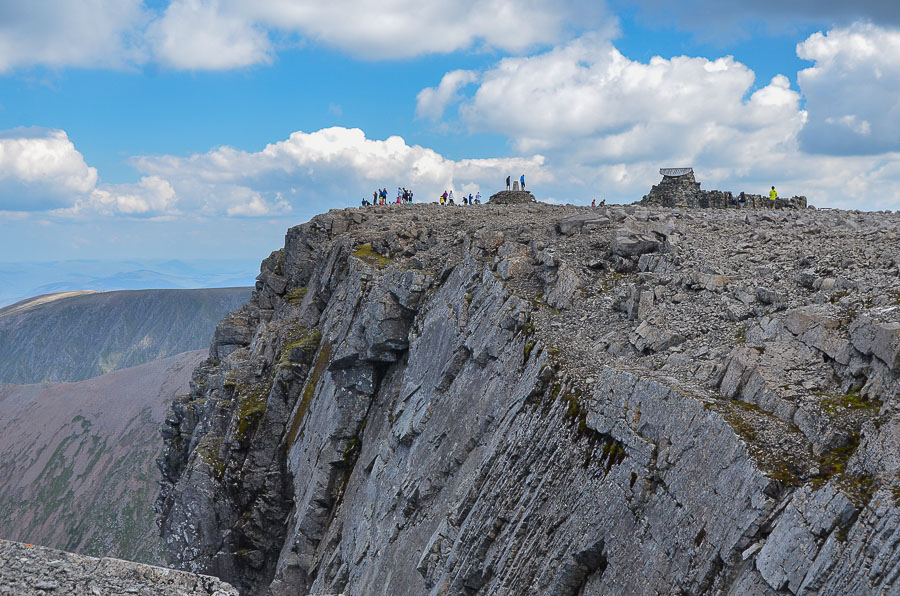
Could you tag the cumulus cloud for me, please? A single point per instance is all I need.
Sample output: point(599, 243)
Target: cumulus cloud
point(62, 33)
point(318, 169)
point(586, 95)
point(225, 34)
point(40, 169)
point(852, 90)
point(151, 196)
point(207, 35)
point(432, 101)
point(405, 28)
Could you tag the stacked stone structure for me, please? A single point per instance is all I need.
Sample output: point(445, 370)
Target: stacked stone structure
point(512, 197)
point(679, 188)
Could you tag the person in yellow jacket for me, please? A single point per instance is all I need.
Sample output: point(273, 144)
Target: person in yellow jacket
point(772, 194)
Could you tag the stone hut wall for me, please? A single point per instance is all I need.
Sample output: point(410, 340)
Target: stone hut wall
point(684, 191)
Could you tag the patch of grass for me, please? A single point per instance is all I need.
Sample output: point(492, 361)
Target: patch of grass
point(740, 336)
point(837, 404)
point(296, 295)
point(309, 390)
point(208, 450)
point(527, 350)
point(367, 254)
point(308, 342)
point(832, 463)
point(250, 410)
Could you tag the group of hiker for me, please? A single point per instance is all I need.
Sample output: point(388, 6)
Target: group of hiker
point(380, 197)
point(405, 196)
point(447, 198)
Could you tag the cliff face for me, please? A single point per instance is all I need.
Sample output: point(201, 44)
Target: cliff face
point(550, 400)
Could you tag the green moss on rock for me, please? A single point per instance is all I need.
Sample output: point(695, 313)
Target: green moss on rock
point(367, 254)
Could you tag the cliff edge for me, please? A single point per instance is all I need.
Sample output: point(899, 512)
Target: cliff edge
point(512, 399)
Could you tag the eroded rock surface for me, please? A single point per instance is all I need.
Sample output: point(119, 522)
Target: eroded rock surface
point(515, 399)
point(27, 570)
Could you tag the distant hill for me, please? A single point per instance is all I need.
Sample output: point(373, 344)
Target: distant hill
point(78, 335)
point(21, 280)
point(77, 460)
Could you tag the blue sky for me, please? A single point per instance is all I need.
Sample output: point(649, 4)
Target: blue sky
point(201, 129)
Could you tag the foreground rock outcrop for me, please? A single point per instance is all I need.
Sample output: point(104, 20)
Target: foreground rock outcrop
point(77, 460)
point(27, 570)
point(521, 399)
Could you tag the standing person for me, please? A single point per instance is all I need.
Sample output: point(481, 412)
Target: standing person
point(773, 194)
point(444, 197)
point(522, 181)
point(507, 183)
point(478, 198)
point(742, 200)
point(593, 202)
point(375, 198)
point(450, 196)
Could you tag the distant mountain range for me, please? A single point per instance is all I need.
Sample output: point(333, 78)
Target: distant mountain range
point(78, 335)
point(77, 460)
point(19, 281)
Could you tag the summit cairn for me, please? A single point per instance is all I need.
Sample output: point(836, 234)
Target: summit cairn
point(512, 197)
point(679, 188)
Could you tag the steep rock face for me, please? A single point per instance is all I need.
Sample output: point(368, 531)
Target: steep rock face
point(535, 399)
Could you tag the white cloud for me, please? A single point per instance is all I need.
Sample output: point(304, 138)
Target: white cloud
point(151, 196)
point(225, 34)
point(207, 35)
point(62, 33)
point(587, 96)
point(405, 28)
point(323, 168)
point(852, 90)
point(432, 101)
point(41, 169)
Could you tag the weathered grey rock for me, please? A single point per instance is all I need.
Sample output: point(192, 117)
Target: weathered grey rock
point(512, 197)
point(28, 570)
point(499, 414)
